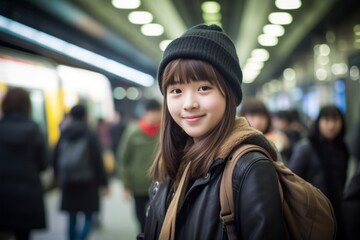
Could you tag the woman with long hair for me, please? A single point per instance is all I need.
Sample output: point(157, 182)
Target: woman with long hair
point(200, 78)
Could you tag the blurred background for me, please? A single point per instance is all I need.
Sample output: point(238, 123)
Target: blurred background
point(295, 53)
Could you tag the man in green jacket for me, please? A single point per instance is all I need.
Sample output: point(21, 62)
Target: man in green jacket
point(137, 150)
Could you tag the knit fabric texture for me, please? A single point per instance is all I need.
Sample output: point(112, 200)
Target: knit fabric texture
point(211, 44)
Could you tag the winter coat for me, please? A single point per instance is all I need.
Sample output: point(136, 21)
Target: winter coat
point(351, 207)
point(328, 173)
point(137, 152)
point(258, 210)
point(23, 155)
point(85, 196)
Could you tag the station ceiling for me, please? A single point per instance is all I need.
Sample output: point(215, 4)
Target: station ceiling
point(98, 26)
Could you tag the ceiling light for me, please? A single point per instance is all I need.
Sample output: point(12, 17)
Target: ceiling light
point(288, 4)
point(339, 68)
point(282, 18)
point(126, 4)
point(289, 74)
point(254, 65)
point(152, 29)
point(357, 29)
point(249, 75)
point(323, 60)
point(133, 93)
point(211, 17)
point(163, 44)
point(274, 30)
point(260, 54)
point(210, 7)
point(140, 17)
point(267, 40)
point(321, 74)
point(354, 73)
point(119, 93)
point(60, 46)
point(324, 50)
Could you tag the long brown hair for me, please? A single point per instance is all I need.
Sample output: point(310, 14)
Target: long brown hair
point(176, 147)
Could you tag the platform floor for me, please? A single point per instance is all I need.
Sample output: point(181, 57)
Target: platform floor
point(118, 218)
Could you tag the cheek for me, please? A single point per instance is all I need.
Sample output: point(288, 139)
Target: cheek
point(172, 107)
point(216, 103)
point(338, 126)
point(218, 110)
point(322, 127)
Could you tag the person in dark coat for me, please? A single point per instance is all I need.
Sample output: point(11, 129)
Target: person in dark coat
point(351, 201)
point(322, 158)
point(23, 155)
point(351, 207)
point(117, 128)
point(81, 197)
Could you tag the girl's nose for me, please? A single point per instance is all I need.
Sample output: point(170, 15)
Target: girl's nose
point(190, 102)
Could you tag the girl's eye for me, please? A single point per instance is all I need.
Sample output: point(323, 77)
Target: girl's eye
point(204, 88)
point(175, 91)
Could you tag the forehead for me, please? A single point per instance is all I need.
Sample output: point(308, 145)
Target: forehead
point(186, 71)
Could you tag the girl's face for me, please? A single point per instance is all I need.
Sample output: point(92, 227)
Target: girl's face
point(258, 121)
point(330, 127)
point(197, 107)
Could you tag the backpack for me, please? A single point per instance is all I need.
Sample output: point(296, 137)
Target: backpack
point(74, 164)
point(308, 214)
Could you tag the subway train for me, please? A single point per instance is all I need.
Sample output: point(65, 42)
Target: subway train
point(53, 90)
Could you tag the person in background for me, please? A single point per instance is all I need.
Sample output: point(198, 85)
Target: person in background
point(351, 201)
point(259, 117)
point(285, 121)
point(297, 125)
point(23, 155)
point(200, 78)
point(117, 127)
point(137, 151)
point(103, 132)
point(105, 137)
point(81, 198)
point(64, 122)
point(322, 158)
point(354, 142)
point(351, 207)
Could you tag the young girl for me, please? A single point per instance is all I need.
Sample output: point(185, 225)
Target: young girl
point(322, 158)
point(200, 78)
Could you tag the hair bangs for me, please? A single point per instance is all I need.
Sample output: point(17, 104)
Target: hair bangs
point(188, 70)
point(330, 112)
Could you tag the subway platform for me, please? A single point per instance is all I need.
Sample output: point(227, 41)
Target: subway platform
point(118, 221)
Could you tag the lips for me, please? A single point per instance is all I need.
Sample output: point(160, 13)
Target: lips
point(192, 119)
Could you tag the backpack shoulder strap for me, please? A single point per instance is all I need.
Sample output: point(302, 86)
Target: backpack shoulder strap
point(226, 190)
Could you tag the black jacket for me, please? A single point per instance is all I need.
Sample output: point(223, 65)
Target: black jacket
point(351, 207)
point(23, 155)
point(258, 210)
point(324, 164)
point(82, 196)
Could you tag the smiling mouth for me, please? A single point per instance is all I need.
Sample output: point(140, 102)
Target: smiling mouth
point(193, 118)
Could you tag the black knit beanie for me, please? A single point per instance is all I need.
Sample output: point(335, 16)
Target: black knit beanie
point(210, 44)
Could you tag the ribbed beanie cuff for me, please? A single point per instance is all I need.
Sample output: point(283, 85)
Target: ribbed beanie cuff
point(212, 45)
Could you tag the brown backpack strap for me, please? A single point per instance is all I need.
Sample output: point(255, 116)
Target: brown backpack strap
point(226, 190)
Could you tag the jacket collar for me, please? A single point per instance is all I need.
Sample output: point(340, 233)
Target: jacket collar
point(241, 131)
